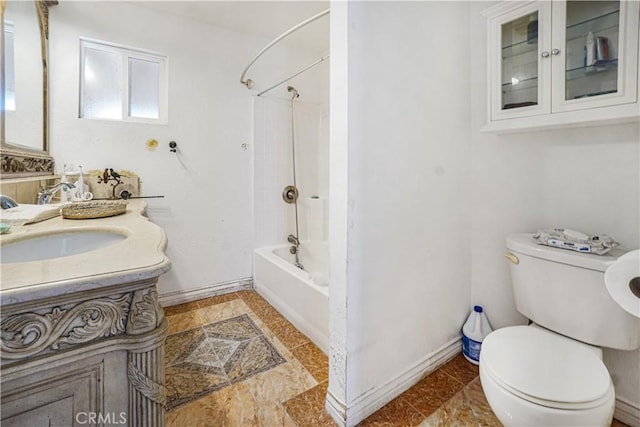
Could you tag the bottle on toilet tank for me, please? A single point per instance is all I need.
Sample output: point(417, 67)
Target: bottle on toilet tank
point(474, 330)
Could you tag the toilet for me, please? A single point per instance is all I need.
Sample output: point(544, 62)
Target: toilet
point(551, 372)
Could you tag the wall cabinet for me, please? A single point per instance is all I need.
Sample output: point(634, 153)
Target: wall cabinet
point(562, 63)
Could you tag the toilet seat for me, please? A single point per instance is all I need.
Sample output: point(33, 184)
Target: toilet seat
point(544, 368)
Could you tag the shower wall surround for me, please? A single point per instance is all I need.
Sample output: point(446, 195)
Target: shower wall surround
point(207, 209)
point(274, 219)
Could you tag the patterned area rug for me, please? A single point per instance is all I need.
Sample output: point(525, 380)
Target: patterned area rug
point(203, 360)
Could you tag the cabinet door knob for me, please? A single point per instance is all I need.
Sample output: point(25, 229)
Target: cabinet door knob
point(545, 54)
point(555, 52)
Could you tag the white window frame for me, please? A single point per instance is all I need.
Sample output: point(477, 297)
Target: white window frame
point(126, 53)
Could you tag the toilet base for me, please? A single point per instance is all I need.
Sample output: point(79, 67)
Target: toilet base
point(512, 410)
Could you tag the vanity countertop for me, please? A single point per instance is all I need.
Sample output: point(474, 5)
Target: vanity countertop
point(138, 257)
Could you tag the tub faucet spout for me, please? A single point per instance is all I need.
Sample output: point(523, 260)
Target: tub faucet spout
point(294, 249)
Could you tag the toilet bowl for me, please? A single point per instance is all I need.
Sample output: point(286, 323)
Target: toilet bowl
point(535, 377)
point(551, 373)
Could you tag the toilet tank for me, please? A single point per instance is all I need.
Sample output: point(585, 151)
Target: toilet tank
point(564, 291)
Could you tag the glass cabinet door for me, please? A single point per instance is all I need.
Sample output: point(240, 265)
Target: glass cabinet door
point(562, 62)
point(591, 48)
point(519, 67)
point(594, 53)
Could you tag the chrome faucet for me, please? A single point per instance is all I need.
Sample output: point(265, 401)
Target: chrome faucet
point(7, 202)
point(46, 194)
point(294, 250)
point(293, 240)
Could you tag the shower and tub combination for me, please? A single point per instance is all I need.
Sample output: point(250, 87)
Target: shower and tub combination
point(293, 276)
point(290, 260)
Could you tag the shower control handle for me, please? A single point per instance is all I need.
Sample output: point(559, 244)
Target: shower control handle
point(290, 194)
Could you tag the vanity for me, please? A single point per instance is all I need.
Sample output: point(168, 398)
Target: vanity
point(82, 332)
point(82, 335)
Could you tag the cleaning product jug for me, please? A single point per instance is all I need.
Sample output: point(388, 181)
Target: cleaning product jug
point(475, 329)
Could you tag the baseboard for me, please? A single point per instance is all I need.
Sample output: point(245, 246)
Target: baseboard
point(627, 413)
point(336, 409)
point(376, 398)
point(180, 297)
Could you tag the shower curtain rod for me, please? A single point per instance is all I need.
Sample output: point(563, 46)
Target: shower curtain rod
point(248, 82)
point(313, 64)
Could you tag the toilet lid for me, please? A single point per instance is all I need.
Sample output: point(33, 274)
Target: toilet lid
point(545, 368)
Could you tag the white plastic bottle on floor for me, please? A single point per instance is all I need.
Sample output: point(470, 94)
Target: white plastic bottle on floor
point(475, 329)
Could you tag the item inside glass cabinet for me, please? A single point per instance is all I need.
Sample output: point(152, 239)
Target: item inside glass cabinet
point(591, 50)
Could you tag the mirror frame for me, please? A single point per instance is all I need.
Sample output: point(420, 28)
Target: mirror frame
point(18, 161)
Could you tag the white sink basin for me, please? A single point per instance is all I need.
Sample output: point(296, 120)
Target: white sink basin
point(57, 245)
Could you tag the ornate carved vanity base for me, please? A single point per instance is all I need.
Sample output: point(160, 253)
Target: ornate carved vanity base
point(88, 358)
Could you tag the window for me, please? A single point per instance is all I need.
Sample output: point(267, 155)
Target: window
point(121, 83)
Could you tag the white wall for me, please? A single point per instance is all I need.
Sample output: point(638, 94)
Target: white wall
point(408, 188)
point(207, 209)
point(586, 179)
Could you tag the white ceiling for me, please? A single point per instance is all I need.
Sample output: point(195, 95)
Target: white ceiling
point(268, 19)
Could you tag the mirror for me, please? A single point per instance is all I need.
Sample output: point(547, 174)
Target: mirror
point(24, 84)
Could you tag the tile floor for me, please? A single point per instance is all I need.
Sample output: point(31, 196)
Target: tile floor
point(217, 355)
point(233, 360)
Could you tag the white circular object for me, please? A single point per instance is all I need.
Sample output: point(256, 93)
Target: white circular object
point(513, 411)
point(622, 279)
point(545, 368)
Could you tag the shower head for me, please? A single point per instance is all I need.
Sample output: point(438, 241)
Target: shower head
point(294, 91)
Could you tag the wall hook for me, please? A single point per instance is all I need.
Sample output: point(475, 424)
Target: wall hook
point(173, 146)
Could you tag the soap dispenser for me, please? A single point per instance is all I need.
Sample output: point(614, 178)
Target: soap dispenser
point(81, 181)
point(63, 191)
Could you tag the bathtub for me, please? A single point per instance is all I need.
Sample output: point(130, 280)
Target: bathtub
point(300, 296)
